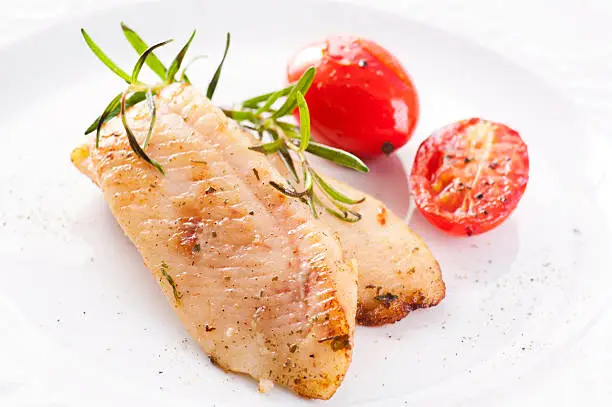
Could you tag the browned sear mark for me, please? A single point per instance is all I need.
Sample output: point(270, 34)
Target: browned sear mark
point(381, 216)
point(186, 237)
point(199, 172)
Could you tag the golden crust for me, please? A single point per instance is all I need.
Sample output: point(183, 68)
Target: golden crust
point(380, 312)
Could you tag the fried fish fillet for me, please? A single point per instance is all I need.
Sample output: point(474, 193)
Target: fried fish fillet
point(397, 271)
point(255, 279)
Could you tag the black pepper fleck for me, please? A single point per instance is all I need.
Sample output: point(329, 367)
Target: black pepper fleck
point(386, 299)
point(387, 148)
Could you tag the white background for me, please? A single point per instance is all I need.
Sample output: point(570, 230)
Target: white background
point(568, 43)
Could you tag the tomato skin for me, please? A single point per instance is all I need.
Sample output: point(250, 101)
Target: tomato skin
point(362, 100)
point(468, 177)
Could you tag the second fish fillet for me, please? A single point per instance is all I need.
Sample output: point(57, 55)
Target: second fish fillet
point(397, 271)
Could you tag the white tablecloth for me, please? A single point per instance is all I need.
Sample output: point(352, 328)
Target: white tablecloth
point(567, 42)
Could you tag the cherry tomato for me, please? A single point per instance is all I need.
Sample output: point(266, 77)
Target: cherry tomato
point(469, 177)
point(362, 100)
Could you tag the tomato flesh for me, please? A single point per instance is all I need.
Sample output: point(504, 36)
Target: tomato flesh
point(468, 177)
point(362, 100)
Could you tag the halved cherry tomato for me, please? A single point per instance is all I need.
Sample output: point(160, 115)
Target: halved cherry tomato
point(468, 177)
point(362, 100)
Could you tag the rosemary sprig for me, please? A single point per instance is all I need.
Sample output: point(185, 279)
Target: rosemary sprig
point(258, 114)
point(138, 91)
point(291, 142)
point(118, 104)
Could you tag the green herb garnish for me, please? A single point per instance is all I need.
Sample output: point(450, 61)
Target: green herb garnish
point(138, 91)
point(257, 114)
point(168, 277)
point(337, 342)
point(291, 142)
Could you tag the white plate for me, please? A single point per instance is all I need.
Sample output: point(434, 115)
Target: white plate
point(82, 322)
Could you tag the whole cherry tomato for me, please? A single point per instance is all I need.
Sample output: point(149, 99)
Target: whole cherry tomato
point(469, 177)
point(362, 100)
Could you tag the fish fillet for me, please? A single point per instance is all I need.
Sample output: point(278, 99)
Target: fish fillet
point(261, 285)
point(397, 271)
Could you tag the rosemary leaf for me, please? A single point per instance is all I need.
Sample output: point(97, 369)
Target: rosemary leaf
point(344, 216)
point(140, 46)
point(269, 102)
point(113, 105)
point(178, 60)
point(307, 180)
point(287, 127)
point(311, 203)
point(290, 131)
point(215, 79)
point(132, 139)
point(143, 57)
point(268, 148)
point(285, 157)
point(304, 120)
point(254, 102)
point(136, 98)
point(240, 115)
point(153, 112)
point(337, 156)
point(302, 85)
point(346, 212)
point(104, 58)
point(334, 193)
point(289, 192)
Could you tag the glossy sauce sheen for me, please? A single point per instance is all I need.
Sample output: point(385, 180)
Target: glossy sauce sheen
point(261, 285)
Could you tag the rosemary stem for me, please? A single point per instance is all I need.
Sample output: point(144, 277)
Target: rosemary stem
point(281, 133)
